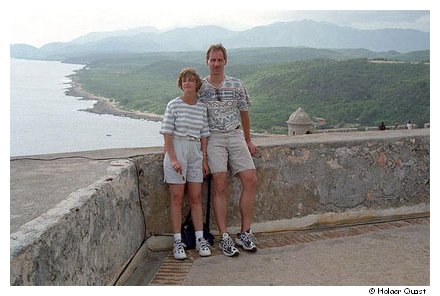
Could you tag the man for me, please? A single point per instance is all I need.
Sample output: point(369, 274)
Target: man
point(227, 102)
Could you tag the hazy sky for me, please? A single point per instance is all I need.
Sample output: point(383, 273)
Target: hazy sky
point(40, 22)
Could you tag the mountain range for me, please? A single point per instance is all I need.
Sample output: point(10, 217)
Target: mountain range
point(305, 33)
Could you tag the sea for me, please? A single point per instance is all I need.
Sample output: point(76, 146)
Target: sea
point(44, 120)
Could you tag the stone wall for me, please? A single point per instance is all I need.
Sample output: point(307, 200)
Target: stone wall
point(304, 181)
point(85, 240)
point(313, 180)
point(340, 182)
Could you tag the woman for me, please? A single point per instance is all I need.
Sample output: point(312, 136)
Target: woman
point(185, 131)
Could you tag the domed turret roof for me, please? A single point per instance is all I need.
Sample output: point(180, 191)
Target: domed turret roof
point(300, 117)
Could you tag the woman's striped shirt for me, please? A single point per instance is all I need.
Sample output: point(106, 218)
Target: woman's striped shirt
point(182, 119)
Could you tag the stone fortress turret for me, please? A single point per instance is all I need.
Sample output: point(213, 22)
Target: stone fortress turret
point(299, 123)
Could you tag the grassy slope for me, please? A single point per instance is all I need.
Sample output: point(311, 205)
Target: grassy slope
point(279, 80)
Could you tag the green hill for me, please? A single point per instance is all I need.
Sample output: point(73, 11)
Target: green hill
point(352, 91)
point(330, 84)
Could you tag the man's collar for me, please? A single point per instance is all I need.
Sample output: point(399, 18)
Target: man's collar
point(208, 79)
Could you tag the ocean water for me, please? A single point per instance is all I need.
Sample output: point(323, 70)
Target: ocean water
point(44, 120)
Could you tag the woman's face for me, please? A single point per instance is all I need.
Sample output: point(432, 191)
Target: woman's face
point(189, 83)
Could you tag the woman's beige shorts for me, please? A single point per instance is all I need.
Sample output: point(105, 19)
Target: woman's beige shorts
point(189, 155)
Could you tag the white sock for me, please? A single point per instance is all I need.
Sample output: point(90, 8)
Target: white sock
point(177, 237)
point(199, 234)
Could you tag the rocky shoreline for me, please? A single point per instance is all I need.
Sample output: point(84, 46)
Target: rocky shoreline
point(106, 106)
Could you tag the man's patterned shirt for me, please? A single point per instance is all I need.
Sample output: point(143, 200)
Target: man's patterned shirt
point(224, 103)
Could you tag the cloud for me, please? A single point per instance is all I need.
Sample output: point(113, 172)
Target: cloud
point(366, 19)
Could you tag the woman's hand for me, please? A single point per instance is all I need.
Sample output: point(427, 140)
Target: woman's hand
point(205, 167)
point(176, 166)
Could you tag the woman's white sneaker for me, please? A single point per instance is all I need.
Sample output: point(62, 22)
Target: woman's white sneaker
point(178, 250)
point(203, 247)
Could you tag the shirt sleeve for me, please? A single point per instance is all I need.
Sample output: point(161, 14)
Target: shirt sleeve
point(168, 122)
point(205, 129)
point(244, 102)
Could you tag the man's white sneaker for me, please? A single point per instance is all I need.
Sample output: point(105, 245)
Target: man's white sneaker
point(178, 250)
point(246, 240)
point(226, 244)
point(203, 247)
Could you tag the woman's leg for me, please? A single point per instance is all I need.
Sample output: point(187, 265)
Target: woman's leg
point(176, 201)
point(195, 202)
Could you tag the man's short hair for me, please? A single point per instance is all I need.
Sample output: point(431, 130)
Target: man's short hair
point(217, 47)
point(189, 72)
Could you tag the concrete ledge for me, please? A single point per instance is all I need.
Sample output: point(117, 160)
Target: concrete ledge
point(164, 242)
point(346, 218)
point(86, 239)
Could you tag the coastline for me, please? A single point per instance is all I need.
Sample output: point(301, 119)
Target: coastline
point(106, 106)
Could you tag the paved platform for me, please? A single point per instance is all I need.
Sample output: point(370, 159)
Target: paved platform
point(394, 253)
point(39, 182)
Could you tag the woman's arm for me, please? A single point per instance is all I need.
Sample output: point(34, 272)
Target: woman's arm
point(169, 148)
point(204, 142)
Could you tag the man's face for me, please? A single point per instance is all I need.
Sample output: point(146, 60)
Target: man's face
point(216, 62)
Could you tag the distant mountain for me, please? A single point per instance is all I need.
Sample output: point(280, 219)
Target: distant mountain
point(325, 35)
point(24, 51)
point(301, 33)
point(96, 36)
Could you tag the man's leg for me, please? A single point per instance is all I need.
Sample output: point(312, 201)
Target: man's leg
point(219, 201)
point(218, 160)
point(249, 182)
point(245, 238)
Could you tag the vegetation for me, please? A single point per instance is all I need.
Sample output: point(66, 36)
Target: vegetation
point(329, 84)
point(353, 91)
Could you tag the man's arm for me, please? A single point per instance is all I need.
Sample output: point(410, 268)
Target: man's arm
point(246, 125)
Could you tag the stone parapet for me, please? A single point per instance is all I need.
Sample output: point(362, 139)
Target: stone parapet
point(304, 182)
point(87, 239)
point(312, 180)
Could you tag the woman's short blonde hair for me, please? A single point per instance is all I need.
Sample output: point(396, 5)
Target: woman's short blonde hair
point(189, 72)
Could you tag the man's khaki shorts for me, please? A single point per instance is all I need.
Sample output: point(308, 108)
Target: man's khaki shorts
point(229, 148)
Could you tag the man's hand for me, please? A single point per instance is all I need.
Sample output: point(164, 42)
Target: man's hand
point(252, 148)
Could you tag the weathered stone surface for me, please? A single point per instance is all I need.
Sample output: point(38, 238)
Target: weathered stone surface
point(314, 176)
point(303, 181)
point(86, 239)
